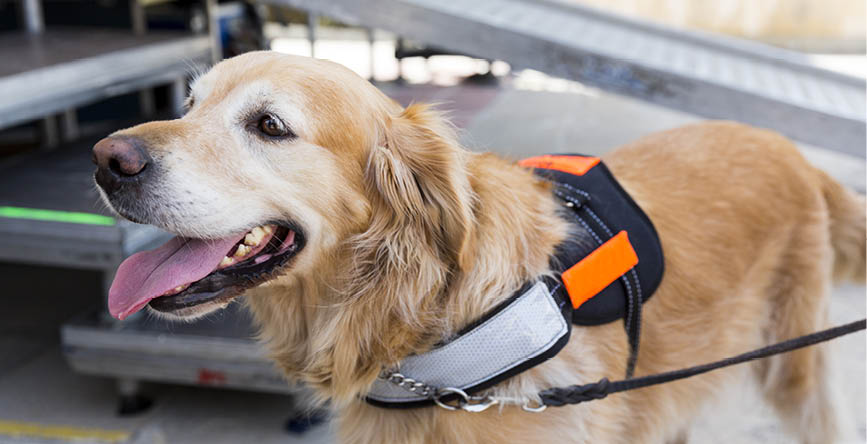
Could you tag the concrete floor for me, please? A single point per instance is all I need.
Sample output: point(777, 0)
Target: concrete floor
point(519, 119)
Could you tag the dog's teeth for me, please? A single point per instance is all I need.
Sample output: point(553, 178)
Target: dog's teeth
point(242, 250)
point(254, 236)
point(226, 262)
point(267, 229)
point(181, 287)
point(250, 239)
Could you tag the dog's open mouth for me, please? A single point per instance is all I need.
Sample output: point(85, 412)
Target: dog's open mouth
point(186, 272)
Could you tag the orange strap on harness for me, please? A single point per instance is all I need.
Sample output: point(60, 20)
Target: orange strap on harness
point(577, 165)
point(599, 269)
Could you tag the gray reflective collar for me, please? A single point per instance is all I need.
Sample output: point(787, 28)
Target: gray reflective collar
point(528, 329)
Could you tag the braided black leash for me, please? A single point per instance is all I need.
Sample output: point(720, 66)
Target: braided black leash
point(560, 396)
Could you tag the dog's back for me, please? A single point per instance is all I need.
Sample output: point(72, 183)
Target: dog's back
point(753, 235)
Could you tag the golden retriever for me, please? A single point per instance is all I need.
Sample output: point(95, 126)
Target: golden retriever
point(385, 237)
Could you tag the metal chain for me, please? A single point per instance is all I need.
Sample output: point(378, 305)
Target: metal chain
point(417, 387)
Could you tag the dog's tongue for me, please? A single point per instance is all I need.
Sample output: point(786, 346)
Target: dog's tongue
point(150, 274)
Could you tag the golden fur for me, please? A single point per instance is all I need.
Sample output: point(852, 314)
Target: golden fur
point(412, 237)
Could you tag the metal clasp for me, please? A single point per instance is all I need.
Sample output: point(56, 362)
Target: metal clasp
point(465, 402)
point(537, 409)
point(483, 404)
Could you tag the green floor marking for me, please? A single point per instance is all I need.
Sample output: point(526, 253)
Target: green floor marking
point(71, 217)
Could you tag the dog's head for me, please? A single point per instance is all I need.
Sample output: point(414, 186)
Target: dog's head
point(287, 169)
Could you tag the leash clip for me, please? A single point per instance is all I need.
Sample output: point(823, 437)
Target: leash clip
point(527, 407)
point(465, 402)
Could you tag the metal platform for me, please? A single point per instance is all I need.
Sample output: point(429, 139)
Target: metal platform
point(709, 75)
point(50, 214)
point(217, 351)
point(43, 74)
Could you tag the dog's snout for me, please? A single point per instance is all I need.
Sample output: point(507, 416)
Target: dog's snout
point(118, 160)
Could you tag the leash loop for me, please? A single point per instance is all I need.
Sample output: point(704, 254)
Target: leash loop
point(560, 396)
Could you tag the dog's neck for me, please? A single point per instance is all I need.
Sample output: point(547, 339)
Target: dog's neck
point(516, 232)
point(339, 346)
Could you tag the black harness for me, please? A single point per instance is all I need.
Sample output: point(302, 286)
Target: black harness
point(602, 208)
point(598, 209)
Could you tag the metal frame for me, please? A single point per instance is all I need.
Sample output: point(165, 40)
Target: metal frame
point(137, 349)
point(69, 125)
point(216, 45)
point(213, 354)
point(713, 76)
point(158, 59)
point(72, 245)
point(32, 15)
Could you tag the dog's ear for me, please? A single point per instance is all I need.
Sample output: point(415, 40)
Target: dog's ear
point(419, 178)
point(420, 232)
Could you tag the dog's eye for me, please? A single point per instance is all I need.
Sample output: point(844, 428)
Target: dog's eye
point(272, 126)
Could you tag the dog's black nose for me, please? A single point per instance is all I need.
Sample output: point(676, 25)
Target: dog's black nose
point(119, 160)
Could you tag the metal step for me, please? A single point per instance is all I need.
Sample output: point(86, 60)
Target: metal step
point(215, 352)
point(43, 74)
point(709, 75)
point(50, 214)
